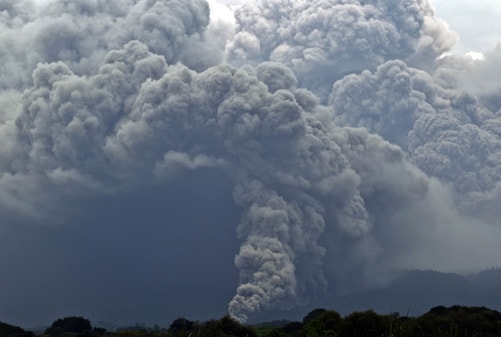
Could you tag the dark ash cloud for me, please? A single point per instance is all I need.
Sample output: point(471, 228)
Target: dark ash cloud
point(111, 109)
point(324, 40)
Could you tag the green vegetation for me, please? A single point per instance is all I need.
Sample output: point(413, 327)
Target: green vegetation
point(181, 327)
point(455, 321)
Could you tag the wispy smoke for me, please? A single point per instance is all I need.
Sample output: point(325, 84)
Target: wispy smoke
point(350, 144)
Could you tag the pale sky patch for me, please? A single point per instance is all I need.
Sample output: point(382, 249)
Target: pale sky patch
point(477, 23)
point(221, 11)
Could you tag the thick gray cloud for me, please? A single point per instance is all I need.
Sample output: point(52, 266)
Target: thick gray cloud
point(81, 33)
point(447, 132)
point(386, 102)
point(324, 40)
point(114, 106)
point(481, 79)
point(183, 121)
point(138, 121)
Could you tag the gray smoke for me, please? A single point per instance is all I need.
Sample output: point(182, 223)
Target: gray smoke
point(81, 33)
point(324, 40)
point(448, 132)
point(400, 167)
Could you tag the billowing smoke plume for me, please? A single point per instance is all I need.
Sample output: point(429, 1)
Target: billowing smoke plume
point(400, 167)
point(448, 133)
point(323, 40)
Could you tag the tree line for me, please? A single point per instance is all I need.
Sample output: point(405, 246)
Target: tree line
point(455, 321)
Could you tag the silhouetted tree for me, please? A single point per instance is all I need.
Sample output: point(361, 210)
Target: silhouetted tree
point(313, 315)
point(321, 323)
point(181, 327)
point(226, 327)
point(459, 321)
point(79, 326)
point(363, 324)
point(7, 330)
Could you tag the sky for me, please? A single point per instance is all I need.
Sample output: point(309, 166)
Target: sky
point(178, 158)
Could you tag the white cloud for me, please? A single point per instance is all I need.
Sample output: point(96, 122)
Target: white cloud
point(220, 11)
point(476, 21)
